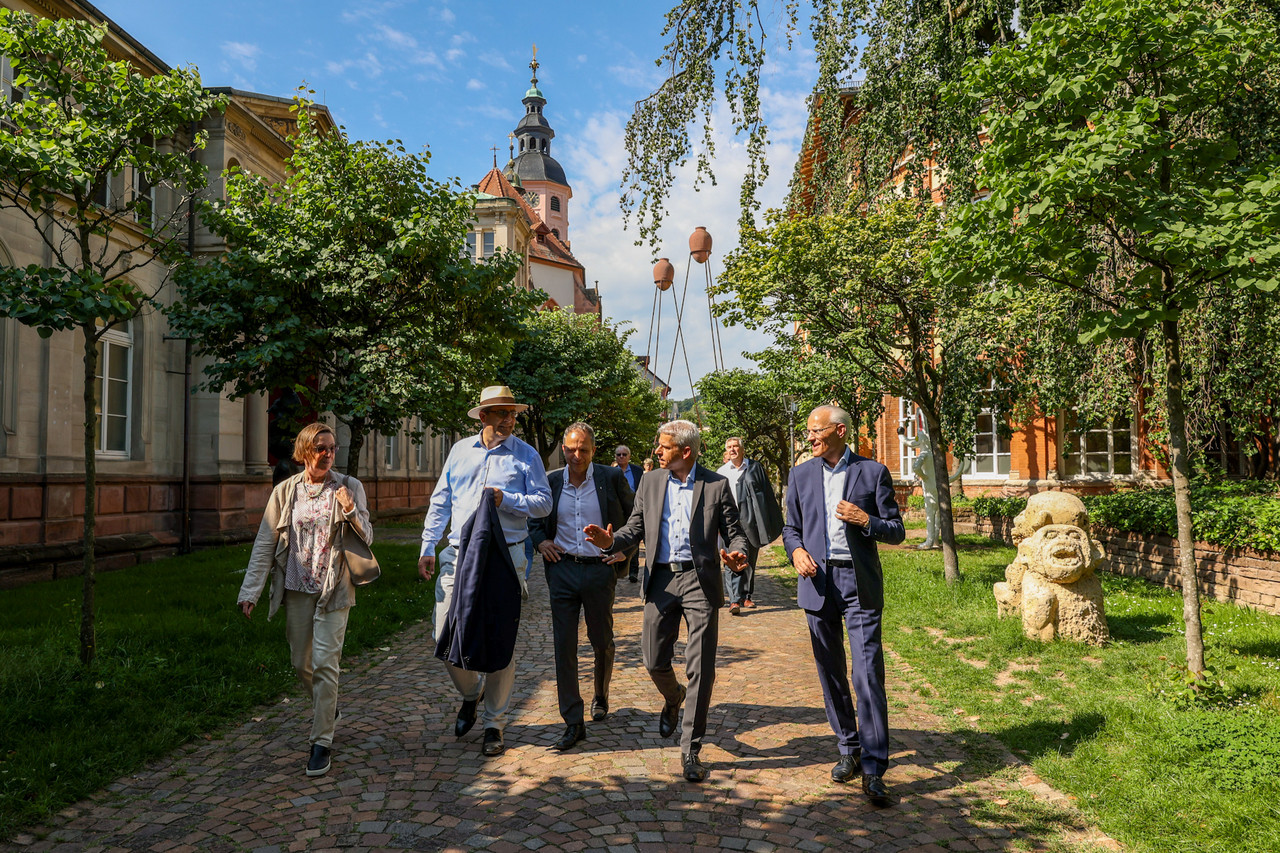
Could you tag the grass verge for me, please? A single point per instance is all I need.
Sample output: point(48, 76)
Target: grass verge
point(1148, 761)
point(175, 660)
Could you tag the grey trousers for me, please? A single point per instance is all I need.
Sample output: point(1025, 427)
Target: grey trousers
point(673, 596)
point(587, 589)
point(496, 686)
point(315, 645)
point(739, 585)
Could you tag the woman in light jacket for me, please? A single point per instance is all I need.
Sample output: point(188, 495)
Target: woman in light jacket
point(297, 546)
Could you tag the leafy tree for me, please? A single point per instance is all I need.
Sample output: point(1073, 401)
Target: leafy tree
point(752, 406)
point(570, 367)
point(1117, 184)
point(861, 287)
point(347, 283)
point(883, 130)
point(85, 125)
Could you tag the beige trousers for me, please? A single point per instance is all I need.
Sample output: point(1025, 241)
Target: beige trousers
point(315, 640)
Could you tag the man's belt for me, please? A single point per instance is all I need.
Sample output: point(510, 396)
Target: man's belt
point(574, 558)
point(840, 564)
point(678, 566)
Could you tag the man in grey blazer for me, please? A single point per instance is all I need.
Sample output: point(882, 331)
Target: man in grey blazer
point(679, 511)
point(581, 580)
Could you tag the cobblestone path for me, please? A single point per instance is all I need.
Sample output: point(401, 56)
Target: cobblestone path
point(401, 781)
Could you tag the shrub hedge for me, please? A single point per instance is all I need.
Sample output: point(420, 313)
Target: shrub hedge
point(1230, 514)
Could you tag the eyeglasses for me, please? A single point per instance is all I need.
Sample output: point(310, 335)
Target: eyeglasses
point(502, 414)
point(814, 433)
point(325, 450)
point(622, 454)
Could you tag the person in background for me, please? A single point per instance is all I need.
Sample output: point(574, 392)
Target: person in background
point(759, 513)
point(297, 547)
point(632, 472)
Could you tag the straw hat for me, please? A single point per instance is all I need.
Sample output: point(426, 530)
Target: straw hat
point(496, 395)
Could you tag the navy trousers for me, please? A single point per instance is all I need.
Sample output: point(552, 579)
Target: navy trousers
point(867, 732)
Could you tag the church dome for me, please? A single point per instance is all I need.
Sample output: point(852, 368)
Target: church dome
point(536, 166)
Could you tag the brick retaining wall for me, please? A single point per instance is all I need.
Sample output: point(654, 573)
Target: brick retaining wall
point(1239, 575)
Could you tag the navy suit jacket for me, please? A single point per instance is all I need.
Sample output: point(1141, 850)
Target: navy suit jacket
point(616, 500)
point(868, 485)
point(636, 471)
point(479, 633)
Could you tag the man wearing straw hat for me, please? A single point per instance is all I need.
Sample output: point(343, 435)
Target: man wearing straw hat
point(498, 466)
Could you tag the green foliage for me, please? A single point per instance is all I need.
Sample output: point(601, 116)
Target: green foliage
point(1152, 770)
point(1230, 514)
point(347, 282)
point(177, 660)
point(751, 406)
point(571, 367)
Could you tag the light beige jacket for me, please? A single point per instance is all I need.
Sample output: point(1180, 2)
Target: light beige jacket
point(271, 547)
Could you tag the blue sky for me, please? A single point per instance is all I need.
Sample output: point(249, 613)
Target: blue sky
point(449, 76)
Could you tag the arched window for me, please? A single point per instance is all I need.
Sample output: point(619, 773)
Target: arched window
point(555, 203)
point(556, 231)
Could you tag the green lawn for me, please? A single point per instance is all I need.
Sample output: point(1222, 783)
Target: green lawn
point(175, 660)
point(1151, 764)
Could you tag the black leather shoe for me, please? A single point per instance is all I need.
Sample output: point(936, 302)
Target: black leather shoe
point(694, 770)
point(873, 787)
point(318, 763)
point(633, 578)
point(599, 708)
point(572, 734)
point(493, 744)
point(466, 717)
point(846, 768)
point(670, 714)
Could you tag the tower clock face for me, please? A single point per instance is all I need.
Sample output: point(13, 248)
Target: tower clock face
point(532, 197)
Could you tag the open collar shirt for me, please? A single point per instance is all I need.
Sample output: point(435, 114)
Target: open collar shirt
point(833, 483)
point(733, 473)
point(578, 507)
point(511, 465)
point(677, 517)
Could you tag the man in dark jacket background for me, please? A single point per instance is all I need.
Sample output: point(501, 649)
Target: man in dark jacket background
point(581, 580)
point(759, 514)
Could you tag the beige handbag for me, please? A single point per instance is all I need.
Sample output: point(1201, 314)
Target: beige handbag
point(362, 566)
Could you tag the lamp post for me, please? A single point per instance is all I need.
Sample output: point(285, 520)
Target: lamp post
point(789, 404)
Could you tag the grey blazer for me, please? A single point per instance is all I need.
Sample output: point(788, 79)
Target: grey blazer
point(715, 513)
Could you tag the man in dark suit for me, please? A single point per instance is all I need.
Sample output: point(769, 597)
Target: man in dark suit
point(579, 578)
point(632, 472)
point(839, 504)
point(679, 512)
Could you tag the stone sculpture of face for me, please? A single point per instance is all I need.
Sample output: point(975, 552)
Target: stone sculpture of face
point(1058, 552)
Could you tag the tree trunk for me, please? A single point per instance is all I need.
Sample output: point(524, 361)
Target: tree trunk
point(355, 446)
point(1181, 464)
point(946, 524)
point(88, 634)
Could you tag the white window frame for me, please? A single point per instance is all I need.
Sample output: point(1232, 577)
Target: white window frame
point(115, 343)
point(908, 414)
point(1082, 452)
point(488, 243)
point(1001, 455)
point(472, 241)
point(390, 446)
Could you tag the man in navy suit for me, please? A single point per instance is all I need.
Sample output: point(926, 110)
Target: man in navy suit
point(839, 504)
point(580, 580)
point(632, 472)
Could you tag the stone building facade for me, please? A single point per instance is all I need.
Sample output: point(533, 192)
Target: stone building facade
point(173, 470)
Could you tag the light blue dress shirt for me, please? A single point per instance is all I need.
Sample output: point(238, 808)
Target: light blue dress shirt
point(833, 483)
point(677, 515)
point(512, 466)
point(579, 506)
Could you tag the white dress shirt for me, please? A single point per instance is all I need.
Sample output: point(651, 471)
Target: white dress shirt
point(677, 515)
point(578, 507)
point(833, 483)
point(733, 473)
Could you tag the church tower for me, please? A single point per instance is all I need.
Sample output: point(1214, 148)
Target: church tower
point(532, 167)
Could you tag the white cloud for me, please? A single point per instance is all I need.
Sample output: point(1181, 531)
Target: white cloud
point(446, 14)
point(497, 60)
point(242, 53)
point(475, 85)
point(595, 156)
point(395, 38)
